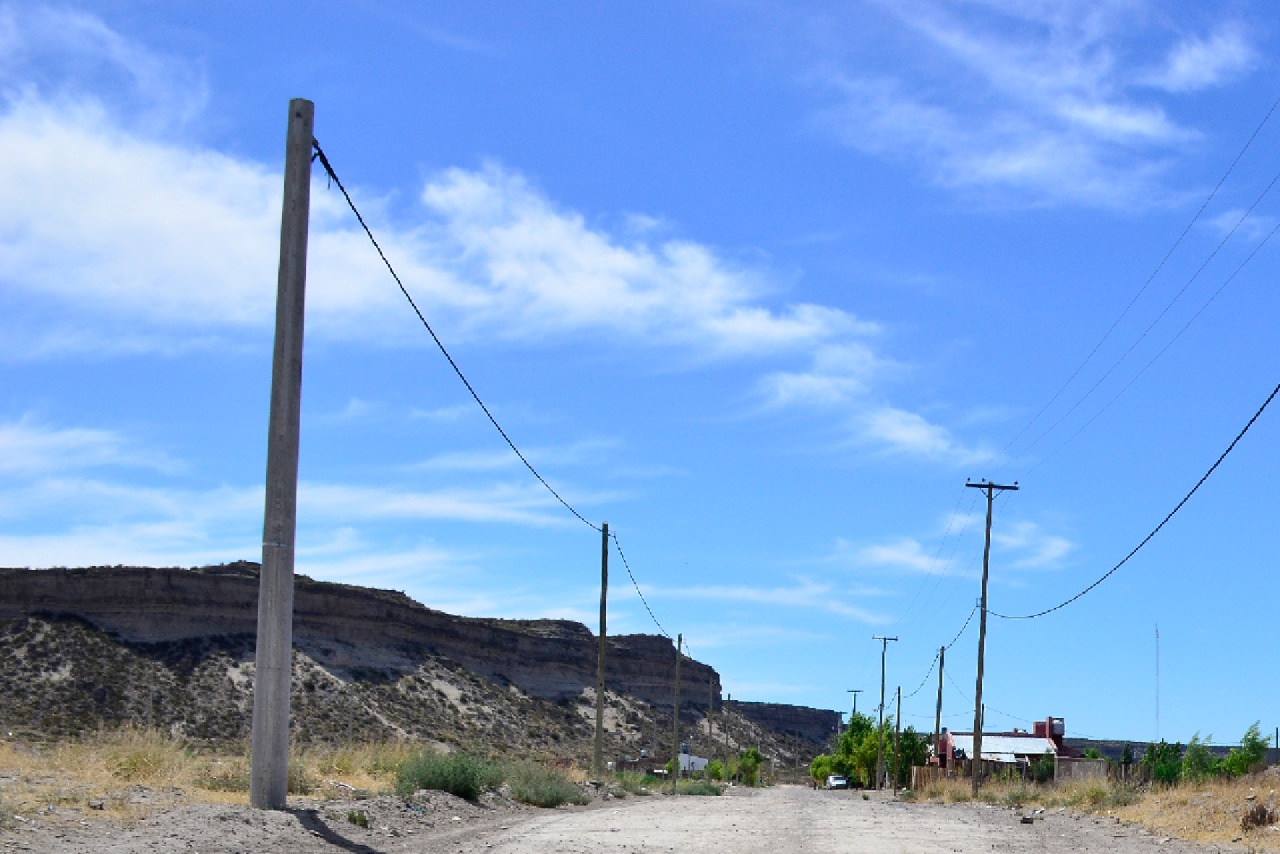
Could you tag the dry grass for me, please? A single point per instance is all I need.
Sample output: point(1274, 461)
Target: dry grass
point(132, 772)
point(1209, 812)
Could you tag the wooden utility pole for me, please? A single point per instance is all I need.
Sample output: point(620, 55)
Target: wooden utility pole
point(884, 645)
point(991, 489)
point(675, 717)
point(711, 724)
point(604, 595)
point(937, 717)
point(855, 692)
point(897, 732)
point(269, 769)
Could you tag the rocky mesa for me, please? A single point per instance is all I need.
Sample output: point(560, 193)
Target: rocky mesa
point(174, 647)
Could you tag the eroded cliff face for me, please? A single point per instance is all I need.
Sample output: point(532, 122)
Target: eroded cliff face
point(356, 632)
point(814, 725)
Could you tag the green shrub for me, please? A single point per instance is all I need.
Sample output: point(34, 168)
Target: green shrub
point(456, 773)
point(1198, 764)
point(541, 786)
point(1042, 768)
point(635, 783)
point(300, 780)
point(686, 787)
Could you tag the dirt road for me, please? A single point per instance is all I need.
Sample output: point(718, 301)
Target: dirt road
point(794, 819)
point(786, 819)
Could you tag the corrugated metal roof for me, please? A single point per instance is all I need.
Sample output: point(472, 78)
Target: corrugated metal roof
point(1003, 748)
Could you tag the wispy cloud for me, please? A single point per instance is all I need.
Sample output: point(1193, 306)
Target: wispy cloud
point(1201, 62)
point(488, 255)
point(29, 447)
point(802, 593)
point(584, 451)
point(1030, 546)
point(1037, 101)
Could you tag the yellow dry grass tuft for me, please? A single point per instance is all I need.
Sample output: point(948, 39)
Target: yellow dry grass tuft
point(1212, 812)
point(127, 773)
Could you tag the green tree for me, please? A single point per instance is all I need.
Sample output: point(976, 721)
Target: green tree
point(1198, 763)
point(749, 762)
point(1249, 756)
point(1126, 756)
point(1092, 753)
point(913, 749)
point(1042, 768)
point(1165, 761)
point(715, 770)
point(821, 768)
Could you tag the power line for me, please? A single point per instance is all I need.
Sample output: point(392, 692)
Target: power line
point(1157, 528)
point(1107, 373)
point(324, 161)
point(618, 544)
point(1265, 240)
point(925, 679)
point(1150, 278)
point(333, 175)
point(968, 620)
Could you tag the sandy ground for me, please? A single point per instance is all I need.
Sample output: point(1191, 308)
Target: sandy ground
point(783, 819)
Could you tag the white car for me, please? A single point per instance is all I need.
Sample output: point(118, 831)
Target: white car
point(836, 781)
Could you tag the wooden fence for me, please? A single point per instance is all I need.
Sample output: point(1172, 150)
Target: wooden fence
point(922, 776)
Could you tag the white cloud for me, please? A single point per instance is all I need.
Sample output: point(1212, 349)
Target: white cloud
point(804, 593)
point(904, 553)
point(1042, 102)
point(116, 239)
point(909, 433)
point(524, 504)
point(28, 447)
point(1030, 546)
point(585, 451)
point(1199, 63)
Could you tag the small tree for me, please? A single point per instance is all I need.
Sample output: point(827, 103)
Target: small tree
point(1092, 753)
point(820, 768)
point(1251, 755)
point(749, 762)
point(1198, 763)
point(1126, 756)
point(715, 770)
point(1165, 761)
point(1042, 768)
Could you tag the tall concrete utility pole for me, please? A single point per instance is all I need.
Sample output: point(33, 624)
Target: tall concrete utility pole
point(675, 717)
point(598, 755)
point(937, 717)
point(269, 768)
point(991, 489)
point(884, 645)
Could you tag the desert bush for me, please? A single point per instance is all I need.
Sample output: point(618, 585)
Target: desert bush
point(688, 787)
point(541, 786)
point(225, 776)
point(1017, 795)
point(134, 754)
point(635, 783)
point(456, 773)
point(300, 780)
point(1258, 815)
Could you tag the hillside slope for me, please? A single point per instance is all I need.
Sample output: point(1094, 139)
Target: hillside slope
point(83, 648)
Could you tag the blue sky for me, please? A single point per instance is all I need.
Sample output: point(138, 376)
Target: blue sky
point(760, 284)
